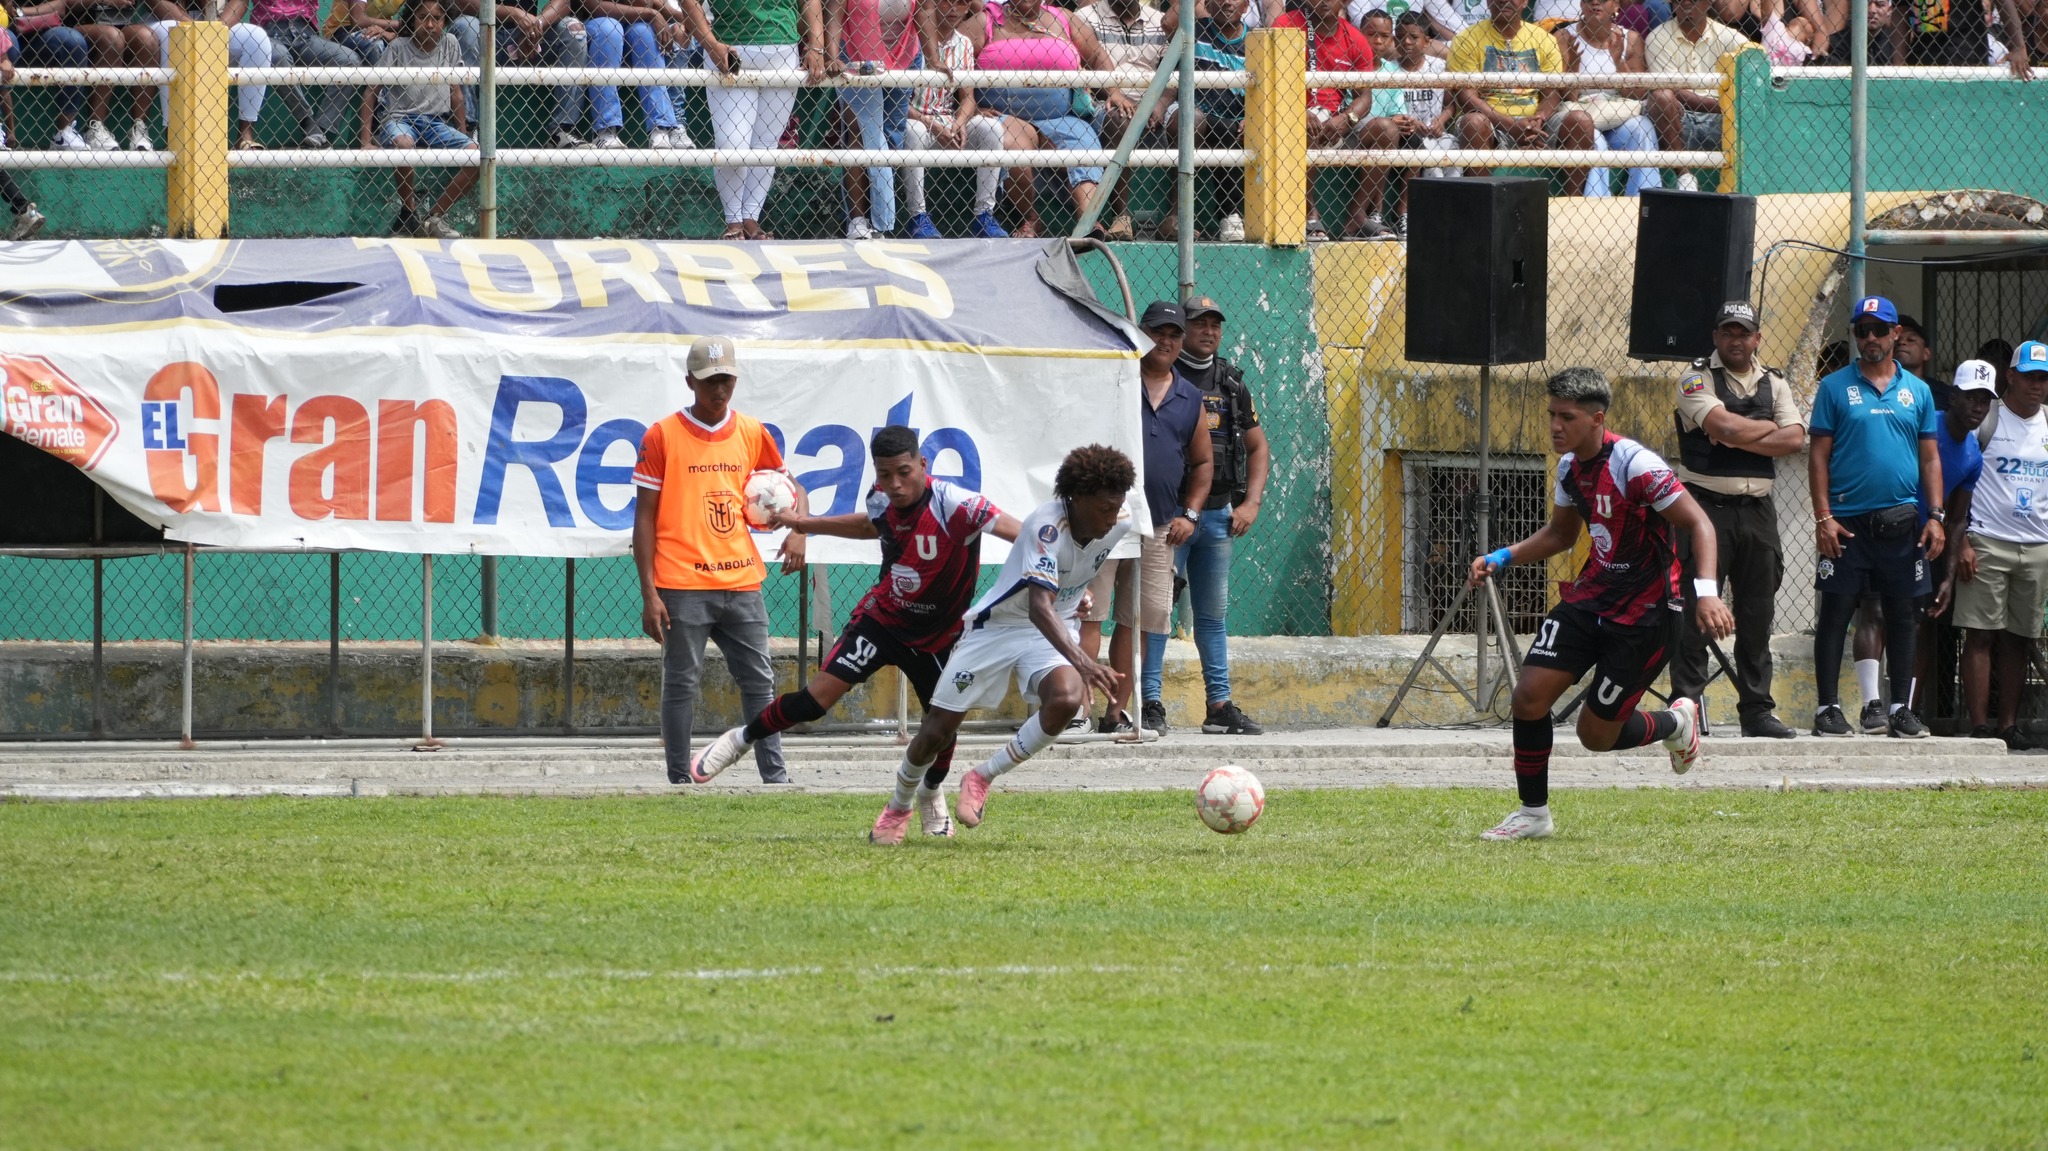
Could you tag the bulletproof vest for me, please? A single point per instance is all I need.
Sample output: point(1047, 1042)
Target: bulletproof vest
point(1705, 457)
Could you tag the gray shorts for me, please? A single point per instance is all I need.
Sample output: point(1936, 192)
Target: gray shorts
point(2010, 592)
point(1700, 131)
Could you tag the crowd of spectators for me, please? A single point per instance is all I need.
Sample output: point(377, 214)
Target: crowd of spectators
point(825, 38)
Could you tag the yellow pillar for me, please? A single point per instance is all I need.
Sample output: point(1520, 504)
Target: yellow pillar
point(1276, 133)
point(198, 137)
point(1731, 136)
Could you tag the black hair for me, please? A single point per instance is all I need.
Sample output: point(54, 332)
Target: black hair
point(1995, 352)
point(1375, 14)
point(1581, 386)
point(408, 14)
point(1093, 470)
point(1412, 18)
point(894, 440)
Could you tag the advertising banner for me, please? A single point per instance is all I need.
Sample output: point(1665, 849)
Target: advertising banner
point(490, 396)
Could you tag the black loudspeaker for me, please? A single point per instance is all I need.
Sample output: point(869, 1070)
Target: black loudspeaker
point(1478, 270)
point(1692, 255)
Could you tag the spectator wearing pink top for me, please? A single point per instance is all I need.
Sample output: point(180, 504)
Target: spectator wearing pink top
point(871, 36)
point(294, 28)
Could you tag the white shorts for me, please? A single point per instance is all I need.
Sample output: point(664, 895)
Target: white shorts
point(978, 672)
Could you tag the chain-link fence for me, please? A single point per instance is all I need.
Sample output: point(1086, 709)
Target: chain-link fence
point(607, 126)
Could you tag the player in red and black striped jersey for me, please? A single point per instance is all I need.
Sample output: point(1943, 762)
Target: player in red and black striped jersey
point(1619, 616)
point(930, 533)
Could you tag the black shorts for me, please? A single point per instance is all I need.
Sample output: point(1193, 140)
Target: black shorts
point(1876, 563)
point(1627, 657)
point(866, 647)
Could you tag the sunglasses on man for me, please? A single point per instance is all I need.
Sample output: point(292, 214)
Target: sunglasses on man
point(1871, 331)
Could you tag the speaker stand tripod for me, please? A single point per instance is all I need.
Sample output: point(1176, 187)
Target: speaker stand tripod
point(1490, 624)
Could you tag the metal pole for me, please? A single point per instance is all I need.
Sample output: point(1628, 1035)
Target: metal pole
point(1182, 43)
point(185, 728)
point(334, 643)
point(569, 644)
point(1859, 139)
point(427, 651)
point(803, 626)
point(489, 593)
point(1482, 516)
point(1186, 182)
point(487, 162)
point(99, 636)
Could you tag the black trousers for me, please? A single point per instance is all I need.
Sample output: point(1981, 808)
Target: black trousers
point(1753, 561)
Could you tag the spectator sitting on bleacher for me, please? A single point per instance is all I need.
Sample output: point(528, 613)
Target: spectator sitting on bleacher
point(1595, 45)
point(1689, 119)
point(1450, 17)
point(945, 118)
point(26, 219)
point(1134, 36)
point(618, 32)
point(365, 27)
point(1425, 117)
point(1220, 28)
point(424, 115)
point(122, 36)
point(532, 32)
point(1031, 36)
point(42, 41)
point(1516, 117)
point(1642, 15)
point(1789, 43)
point(1942, 33)
point(1338, 119)
point(248, 47)
point(868, 36)
point(1383, 130)
point(295, 39)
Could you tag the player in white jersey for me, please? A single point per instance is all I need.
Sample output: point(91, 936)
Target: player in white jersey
point(1025, 625)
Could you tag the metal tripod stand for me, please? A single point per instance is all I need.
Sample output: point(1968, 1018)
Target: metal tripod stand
point(1491, 622)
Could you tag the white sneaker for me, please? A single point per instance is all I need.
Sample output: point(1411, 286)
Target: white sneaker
point(439, 229)
point(718, 755)
point(67, 139)
point(669, 138)
point(1687, 182)
point(27, 222)
point(1684, 744)
point(138, 138)
point(1520, 824)
point(1230, 229)
point(858, 229)
point(98, 139)
point(608, 138)
point(932, 814)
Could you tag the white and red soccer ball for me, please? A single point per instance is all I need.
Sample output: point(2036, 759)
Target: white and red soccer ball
point(768, 492)
point(1230, 799)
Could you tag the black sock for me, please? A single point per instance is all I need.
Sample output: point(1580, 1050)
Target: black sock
point(1532, 760)
point(1830, 634)
point(1901, 633)
point(936, 773)
point(786, 712)
point(1643, 728)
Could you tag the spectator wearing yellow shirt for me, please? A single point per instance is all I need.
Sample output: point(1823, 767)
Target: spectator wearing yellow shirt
point(1689, 119)
point(1515, 117)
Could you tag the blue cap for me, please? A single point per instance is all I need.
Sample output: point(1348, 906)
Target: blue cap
point(1874, 308)
point(2031, 356)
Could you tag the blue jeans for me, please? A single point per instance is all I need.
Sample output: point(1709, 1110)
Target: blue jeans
point(58, 47)
point(423, 130)
point(369, 49)
point(1205, 562)
point(882, 113)
point(610, 43)
point(1634, 134)
point(561, 46)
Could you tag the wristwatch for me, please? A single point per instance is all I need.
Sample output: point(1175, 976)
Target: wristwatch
point(1191, 515)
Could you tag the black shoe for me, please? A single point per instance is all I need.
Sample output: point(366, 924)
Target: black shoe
point(1903, 724)
point(1155, 716)
point(1767, 726)
point(1225, 719)
point(1985, 731)
point(2014, 741)
point(566, 137)
point(1873, 717)
point(1121, 725)
point(1831, 721)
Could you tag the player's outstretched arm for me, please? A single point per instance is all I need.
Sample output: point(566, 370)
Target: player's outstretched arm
point(1686, 514)
point(1005, 528)
point(1555, 537)
point(1046, 618)
point(851, 526)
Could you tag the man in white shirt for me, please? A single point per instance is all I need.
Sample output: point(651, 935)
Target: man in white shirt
point(1688, 119)
point(2001, 563)
point(1135, 38)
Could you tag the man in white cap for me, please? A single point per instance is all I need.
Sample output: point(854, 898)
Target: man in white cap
point(700, 574)
point(2001, 562)
point(1965, 403)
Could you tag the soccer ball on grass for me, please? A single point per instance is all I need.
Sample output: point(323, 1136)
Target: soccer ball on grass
point(768, 492)
point(1230, 799)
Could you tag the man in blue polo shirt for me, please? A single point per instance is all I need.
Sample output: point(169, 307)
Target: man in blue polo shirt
point(1176, 470)
point(1873, 434)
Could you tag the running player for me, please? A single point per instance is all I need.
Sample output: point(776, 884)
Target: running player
point(931, 555)
point(1026, 624)
point(1616, 617)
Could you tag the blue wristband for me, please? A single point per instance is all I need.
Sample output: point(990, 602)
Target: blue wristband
point(1500, 559)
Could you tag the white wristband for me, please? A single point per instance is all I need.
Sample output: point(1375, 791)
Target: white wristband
point(1702, 588)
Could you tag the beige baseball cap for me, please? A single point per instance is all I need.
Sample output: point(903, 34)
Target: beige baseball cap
point(713, 356)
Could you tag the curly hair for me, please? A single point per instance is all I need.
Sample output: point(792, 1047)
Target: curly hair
point(1581, 386)
point(1093, 470)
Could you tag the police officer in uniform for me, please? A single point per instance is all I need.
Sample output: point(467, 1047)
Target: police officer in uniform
point(1735, 417)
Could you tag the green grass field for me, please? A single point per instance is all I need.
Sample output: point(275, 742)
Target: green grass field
point(1676, 969)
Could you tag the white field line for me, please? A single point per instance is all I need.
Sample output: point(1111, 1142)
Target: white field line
point(585, 974)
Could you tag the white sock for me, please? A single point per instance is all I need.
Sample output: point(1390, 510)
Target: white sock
point(1866, 679)
point(1893, 708)
point(1030, 739)
point(925, 793)
point(909, 777)
point(1539, 809)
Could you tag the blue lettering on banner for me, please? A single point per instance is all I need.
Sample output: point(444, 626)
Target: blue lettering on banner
point(538, 457)
point(160, 425)
point(592, 473)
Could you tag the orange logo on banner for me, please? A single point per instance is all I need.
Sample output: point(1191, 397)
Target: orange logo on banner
point(43, 407)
